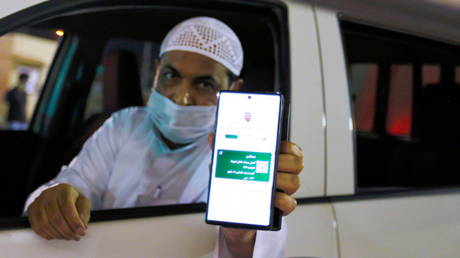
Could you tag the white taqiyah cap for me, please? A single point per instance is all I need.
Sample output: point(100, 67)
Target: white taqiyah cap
point(209, 37)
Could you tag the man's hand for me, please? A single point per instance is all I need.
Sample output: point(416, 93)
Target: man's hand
point(240, 242)
point(290, 164)
point(60, 212)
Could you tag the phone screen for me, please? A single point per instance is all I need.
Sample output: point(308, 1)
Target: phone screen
point(244, 159)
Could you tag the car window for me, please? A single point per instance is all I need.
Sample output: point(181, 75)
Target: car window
point(406, 97)
point(364, 84)
point(25, 58)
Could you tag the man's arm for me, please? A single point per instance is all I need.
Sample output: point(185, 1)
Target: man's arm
point(239, 242)
point(267, 244)
point(244, 243)
point(62, 210)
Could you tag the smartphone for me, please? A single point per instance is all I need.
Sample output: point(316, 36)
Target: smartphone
point(244, 161)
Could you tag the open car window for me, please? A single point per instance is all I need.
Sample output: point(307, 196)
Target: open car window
point(26, 56)
point(104, 62)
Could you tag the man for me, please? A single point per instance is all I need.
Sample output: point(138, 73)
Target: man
point(16, 99)
point(160, 154)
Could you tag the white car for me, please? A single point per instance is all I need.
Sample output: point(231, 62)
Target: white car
point(373, 89)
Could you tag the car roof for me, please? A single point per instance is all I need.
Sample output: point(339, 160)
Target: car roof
point(10, 7)
point(434, 19)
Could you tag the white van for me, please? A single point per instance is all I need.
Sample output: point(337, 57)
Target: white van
point(374, 97)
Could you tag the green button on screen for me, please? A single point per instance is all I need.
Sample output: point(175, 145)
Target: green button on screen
point(243, 165)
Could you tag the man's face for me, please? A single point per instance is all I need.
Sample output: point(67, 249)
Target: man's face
point(188, 78)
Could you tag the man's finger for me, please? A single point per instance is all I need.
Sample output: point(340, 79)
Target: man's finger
point(83, 205)
point(290, 163)
point(57, 221)
point(39, 221)
point(285, 203)
point(42, 232)
point(47, 227)
point(38, 225)
point(211, 140)
point(44, 235)
point(51, 228)
point(288, 183)
point(290, 148)
point(67, 205)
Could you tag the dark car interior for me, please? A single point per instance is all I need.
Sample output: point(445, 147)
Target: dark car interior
point(111, 50)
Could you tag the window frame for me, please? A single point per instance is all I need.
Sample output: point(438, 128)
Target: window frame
point(389, 191)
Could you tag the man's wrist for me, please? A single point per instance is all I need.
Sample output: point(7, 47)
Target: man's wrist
point(35, 194)
point(240, 242)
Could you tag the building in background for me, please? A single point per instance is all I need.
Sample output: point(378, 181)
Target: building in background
point(25, 52)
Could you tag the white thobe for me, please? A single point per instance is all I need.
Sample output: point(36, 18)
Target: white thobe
point(126, 164)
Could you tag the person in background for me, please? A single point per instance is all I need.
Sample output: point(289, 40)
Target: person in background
point(160, 154)
point(17, 100)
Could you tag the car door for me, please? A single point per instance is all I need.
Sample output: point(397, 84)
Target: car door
point(71, 86)
point(396, 192)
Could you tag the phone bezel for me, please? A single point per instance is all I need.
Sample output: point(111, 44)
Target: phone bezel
point(273, 223)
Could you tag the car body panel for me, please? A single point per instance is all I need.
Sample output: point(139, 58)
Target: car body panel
point(10, 7)
point(339, 124)
point(312, 232)
point(404, 226)
point(167, 236)
point(307, 128)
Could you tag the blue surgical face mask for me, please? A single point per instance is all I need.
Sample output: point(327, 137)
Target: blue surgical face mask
point(180, 124)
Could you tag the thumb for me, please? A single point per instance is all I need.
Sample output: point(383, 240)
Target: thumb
point(84, 208)
point(211, 140)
